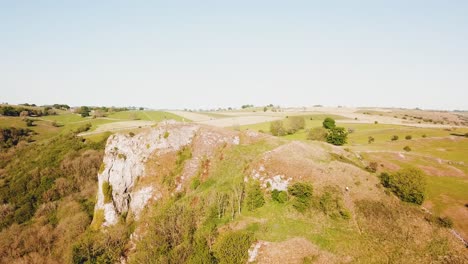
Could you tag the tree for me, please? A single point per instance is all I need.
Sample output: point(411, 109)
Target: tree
point(254, 198)
point(277, 128)
point(84, 111)
point(337, 136)
point(328, 123)
point(302, 193)
point(408, 184)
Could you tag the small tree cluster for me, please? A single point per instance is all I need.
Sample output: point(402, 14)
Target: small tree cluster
point(335, 135)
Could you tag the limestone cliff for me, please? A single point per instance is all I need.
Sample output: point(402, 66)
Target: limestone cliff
point(125, 160)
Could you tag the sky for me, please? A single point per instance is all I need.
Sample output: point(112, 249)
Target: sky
point(209, 54)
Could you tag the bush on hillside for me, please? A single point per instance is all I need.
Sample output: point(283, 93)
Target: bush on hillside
point(302, 193)
point(407, 149)
point(394, 138)
point(254, 197)
point(295, 123)
point(232, 247)
point(408, 137)
point(408, 184)
point(277, 128)
point(370, 140)
point(279, 196)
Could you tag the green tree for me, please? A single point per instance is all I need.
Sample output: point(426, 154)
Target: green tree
point(84, 111)
point(254, 197)
point(302, 193)
point(337, 136)
point(328, 123)
point(408, 184)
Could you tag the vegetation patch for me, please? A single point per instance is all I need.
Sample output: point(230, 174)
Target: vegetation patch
point(408, 184)
point(232, 247)
point(254, 198)
point(302, 193)
point(107, 191)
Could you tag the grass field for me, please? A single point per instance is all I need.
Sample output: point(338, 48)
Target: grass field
point(146, 115)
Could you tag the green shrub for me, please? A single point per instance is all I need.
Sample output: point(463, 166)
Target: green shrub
point(279, 196)
point(277, 128)
point(408, 184)
point(407, 149)
point(337, 136)
point(83, 128)
point(131, 134)
point(394, 138)
point(302, 193)
point(318, 133)
point(408, 137)
point(107, 191)
point(254, 198)
point(232, 247)
point(166, 134)
point(328, 123)
point(370, 140)
point(424, 135)
point(331, 204)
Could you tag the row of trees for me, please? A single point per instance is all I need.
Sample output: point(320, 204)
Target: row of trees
point(329, 132)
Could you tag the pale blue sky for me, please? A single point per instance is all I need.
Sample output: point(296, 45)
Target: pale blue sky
point(199, 54)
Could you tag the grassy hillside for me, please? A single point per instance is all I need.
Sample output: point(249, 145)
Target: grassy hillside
point(48, 188)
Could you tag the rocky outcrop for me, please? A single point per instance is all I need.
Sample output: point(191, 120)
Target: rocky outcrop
point(124, 162)
point(126, 157)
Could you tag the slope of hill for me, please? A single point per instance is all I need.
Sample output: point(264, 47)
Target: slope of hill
point(190, 193)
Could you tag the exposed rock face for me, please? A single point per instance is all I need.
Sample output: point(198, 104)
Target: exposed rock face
point(126, 157)
point(124, 162)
